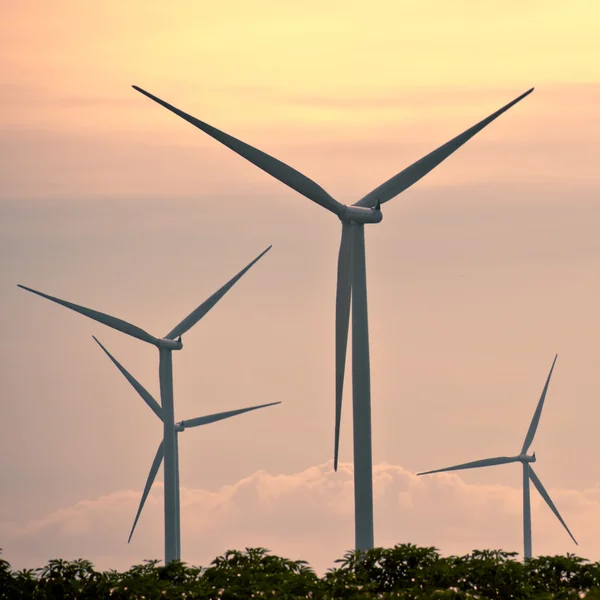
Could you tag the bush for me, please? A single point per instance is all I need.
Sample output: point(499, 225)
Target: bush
point(404, 572)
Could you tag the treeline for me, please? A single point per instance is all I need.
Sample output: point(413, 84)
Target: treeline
point(403, 572)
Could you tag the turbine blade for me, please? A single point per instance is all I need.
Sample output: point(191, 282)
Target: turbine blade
point(342, 322)
point(113, 322)
point(546, 497)
point(224, 415)
point(403, 180)
point(199, 312)
point(151, 476)
point(538, 413)
point(486, 462)
point(137, 386)
point(277, 169)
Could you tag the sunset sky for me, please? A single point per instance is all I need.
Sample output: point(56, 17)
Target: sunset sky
point(477, 275)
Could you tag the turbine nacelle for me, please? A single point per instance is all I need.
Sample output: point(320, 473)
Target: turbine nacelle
point(167, 344)
point(527, 458)
point(361, 215)
point(179, 427)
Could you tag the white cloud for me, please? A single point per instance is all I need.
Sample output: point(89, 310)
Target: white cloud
point(307, 515)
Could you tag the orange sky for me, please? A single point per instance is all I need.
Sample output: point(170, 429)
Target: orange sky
point(477, 275)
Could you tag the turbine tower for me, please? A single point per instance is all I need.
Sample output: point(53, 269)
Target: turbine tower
point(351, 285)
point(165, 345)
point(528, 472)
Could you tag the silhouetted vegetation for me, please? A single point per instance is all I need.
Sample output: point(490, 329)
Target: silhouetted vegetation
point(405, 572)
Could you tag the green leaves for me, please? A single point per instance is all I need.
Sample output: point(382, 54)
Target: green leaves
point(255, 573)
point(404, 572)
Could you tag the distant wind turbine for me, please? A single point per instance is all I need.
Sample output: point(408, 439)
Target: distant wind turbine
point(167, 450)
point(351, 283)
point(179, 427)
point(528, 472)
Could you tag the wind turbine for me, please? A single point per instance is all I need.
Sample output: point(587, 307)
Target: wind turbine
point(165, 345)
point(351, 283)
point(528, 472)
point(179, 427)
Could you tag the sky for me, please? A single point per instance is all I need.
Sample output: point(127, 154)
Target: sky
point(477, 276)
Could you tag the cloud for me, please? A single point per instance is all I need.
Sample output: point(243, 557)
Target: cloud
point(309, 515)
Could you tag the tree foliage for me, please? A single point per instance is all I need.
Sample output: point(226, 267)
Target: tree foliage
point(405, 572)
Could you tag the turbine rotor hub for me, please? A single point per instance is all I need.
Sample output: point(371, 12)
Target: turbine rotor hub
point(527, 458)
point(179, 427)
point(361, 215)
point(168, 344)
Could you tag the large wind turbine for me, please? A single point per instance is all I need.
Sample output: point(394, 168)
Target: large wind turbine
point(351, 283)
point(528, 472)
point(179, 427)
point(165, 345)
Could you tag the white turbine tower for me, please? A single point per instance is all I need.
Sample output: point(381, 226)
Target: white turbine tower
point(528, 472)
point(168, 449)
point(351, 284)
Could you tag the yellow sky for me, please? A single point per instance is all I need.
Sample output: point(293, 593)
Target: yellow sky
point(229, 55)
point(339, 90)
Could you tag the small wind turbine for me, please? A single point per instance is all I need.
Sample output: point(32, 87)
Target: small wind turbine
point(179, 427)
point(351, 284)
point(528, 472)
point(168, 449)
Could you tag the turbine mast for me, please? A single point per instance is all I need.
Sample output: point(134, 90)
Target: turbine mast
point(361, 397)
point(526, 513)
point(177, 499)
point(170, 456)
